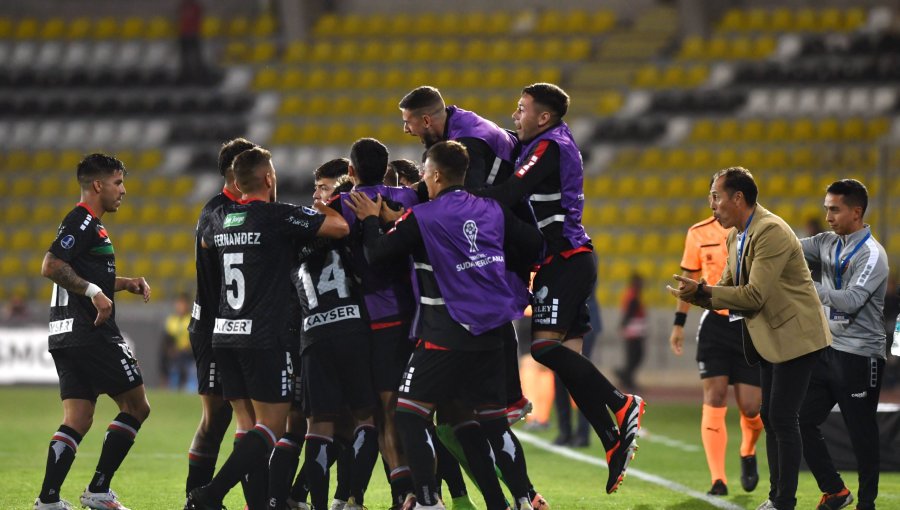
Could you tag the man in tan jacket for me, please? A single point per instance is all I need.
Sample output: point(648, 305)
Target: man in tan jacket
point(767, 285)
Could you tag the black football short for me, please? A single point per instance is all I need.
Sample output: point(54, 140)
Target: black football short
point(391, 348)
point(88, 371)
point(264, 375)
point(720, 350)
point(511, 358)
point(475, 378)
point(336, 375)
point(208, 380)
point(559, 295)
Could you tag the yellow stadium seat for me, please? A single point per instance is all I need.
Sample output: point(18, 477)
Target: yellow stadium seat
point(343, 78)
point(647, 77)
point(264, 26)
point(394, 78)
point(23, 187)
point(651, 187)
point(628, 243)
point(502, 50)
point(397, 51)
point(54, 28)
point(751, 130)
point(268, 78)
point(601, 21)
point(6, 27)
point(497, 22)
point(237, 51)
point(327, 25)
point(132, 28)
point(801, 158)
point(854, 18)
point(318, 79)
point(676, 187)
point(43, 213)
point(608, 215)
point(704, 130)
point(757, 20)
point(158, 28)
point(806, 20)
point(693, 48)
point(308, 133)
point(106, 28)
point(658, 214)
point(733, 20)
point(149, 212)
point(291, 105)
point(43, 161)
point(78, 28)
point(578, 48)
point(188, 269)
point(740, 48)
point(450, 50)
point(801, 130)
point(177, 213)
point(322, 51)
point(782, 19)
point(831, 19)
point(610, 102)
point(775, 159)
point(826, 130)
point(763, 46)
point(211, 27)
point(728, 130)
point(476, 50)
point(576, 21)
point(547, 74)
point(852, 129)
point(150, 159)
point(803, 185)
point(27, 28)
point(777, 130)
point(551, 21)
point(263, 51)
point(297, 51)
point(239, 26)
point(49, 187)
point(11, 265)
point(718, 48)
point(876, 128)
point(21, 239)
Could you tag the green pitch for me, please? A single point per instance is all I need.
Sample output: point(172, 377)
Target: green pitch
point(669, 471)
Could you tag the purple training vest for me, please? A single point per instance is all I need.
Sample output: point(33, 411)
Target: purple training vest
point(571, 178)
point(386, 291)
point(465, 124)
point(463, 236)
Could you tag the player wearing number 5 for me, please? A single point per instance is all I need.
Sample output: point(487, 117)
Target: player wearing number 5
point(254, 239)
point(90, 355)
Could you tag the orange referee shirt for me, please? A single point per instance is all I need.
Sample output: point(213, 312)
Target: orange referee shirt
point(705, 251)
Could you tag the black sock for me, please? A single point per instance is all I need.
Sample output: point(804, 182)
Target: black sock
point(365, 453)
point(119, 438)
point(60, 456)
point(251, 453)
point(412, 427)
point(344, 475)
point(448, 470)
point(300, 489)
point(282, 465)
point(401, 484)
point(201, 468)
point(316, 461)
point(481, 464)
point(508, 456)
point(592, 392)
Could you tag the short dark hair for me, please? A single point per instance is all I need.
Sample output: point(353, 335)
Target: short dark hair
point(245, 165)
point(406, 168)
point(333, 169)
point(854, 193)
point(422, 97)
point(230, 150)
point(369, 158)
point(96, 166)
point(451, 159)
point(551, 96)
point(739, 179)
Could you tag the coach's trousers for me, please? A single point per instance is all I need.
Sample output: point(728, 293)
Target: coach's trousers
point(852, 382)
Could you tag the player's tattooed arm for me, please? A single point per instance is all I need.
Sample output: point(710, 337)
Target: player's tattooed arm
point(62, 274)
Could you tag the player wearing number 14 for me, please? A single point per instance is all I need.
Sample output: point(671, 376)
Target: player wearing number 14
point(255, 239)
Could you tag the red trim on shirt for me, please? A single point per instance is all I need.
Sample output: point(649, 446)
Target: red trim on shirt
point(533, 159)
point(245, 202)
point(82, 204)
point(568, 253)
point(230, 195)
point(384, 325)
point(430, 346)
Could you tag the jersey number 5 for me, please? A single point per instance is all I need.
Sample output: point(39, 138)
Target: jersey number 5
point(234, 279)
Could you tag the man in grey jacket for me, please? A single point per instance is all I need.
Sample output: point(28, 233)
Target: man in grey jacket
point(849, 372)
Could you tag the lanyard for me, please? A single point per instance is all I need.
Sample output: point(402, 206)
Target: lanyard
point(840, 267)
point(740, 254)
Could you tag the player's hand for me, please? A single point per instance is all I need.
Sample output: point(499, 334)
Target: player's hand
point(686, 290)
point(389, 215)
point(362, 205)
point(676, 340)
point(139, 286)
point(104, 307)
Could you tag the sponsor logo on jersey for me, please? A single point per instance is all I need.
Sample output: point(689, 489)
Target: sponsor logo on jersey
point(67, 242)
point(234, 220)
point(195, 312)
point(101, 231)
point(233, 327)
point(237, 238)
point(859, 395)
point(340, 313)
point(62, 326)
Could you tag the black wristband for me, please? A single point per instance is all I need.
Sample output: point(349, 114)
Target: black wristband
point(680, 318)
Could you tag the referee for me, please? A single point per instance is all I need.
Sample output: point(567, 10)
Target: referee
point(849, 372)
